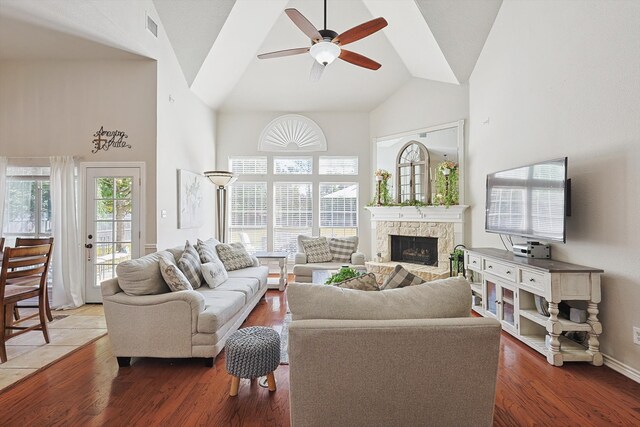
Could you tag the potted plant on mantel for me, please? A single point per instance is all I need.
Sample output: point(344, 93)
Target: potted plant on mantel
point(447, 192)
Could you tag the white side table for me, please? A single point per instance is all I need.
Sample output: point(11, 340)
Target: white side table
point(276, 283)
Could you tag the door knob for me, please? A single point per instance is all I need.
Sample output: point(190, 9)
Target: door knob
point(88, 246)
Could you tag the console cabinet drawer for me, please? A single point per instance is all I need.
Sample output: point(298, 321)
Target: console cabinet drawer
point(501, 270)
point(474, 262)
point(535, 280)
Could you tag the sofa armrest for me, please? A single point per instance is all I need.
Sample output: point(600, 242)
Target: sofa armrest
point(357, 258)
point(301, 258)
point(193, 298)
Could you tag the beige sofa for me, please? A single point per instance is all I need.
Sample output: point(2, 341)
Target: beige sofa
point(180, 324)
point(401, 357)
point(303, 270)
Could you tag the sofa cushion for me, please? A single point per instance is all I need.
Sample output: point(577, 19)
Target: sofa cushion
point(141, 276)
point(172, 275)
point(190, 265)
point(449, 297)
point(234, 256)
point(260, 273)
point(207, 250)
point(366, 282)
point(401, 277)
point(317, 250)
point(220, 307)
point(247, 286)
point(214, 273)
point(341, 249)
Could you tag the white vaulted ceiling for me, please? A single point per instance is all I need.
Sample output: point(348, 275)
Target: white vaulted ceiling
point(216, 43)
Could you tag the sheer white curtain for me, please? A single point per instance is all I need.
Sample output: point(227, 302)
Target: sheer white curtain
point(3, 188)
point(66, 260)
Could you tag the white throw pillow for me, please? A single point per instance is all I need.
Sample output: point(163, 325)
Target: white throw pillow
point(214, 273)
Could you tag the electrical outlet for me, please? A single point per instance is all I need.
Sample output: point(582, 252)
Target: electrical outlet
point(636, 335)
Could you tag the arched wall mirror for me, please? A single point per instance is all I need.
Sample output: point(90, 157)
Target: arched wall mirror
point(413, 158)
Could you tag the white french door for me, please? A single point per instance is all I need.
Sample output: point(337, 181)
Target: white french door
point(112, 223)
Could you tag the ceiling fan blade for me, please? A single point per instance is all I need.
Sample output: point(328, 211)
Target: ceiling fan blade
point(304, 24)
point(359, 60)
point(316, 71)
point(361, 31)
point(286, 52)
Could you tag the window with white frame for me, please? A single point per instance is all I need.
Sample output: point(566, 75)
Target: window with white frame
point(292, 214)
point(295, 165)
point(248, 215)
point(338, 209)
point(248, 165)
point(27, 208)
point(338, 165)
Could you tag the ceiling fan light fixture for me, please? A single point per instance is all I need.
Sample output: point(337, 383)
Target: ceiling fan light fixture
point(325, 52)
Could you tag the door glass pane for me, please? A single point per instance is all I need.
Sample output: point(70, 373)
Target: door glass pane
point(123, 231)
point(122, 253)
point(104, 209)
point(104, 188)
point(491, 298)
point(104, 272)
point(123, 188)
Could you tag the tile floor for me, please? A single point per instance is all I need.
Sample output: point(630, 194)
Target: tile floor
point(28, 353)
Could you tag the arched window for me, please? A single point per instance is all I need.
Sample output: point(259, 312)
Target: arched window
point(413, 173)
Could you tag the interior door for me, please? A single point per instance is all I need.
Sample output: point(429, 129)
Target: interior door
point(112, 225)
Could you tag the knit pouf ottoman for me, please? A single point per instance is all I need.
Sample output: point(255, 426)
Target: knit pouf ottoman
point(252, 352)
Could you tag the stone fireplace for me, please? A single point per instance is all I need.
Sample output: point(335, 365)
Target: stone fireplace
point(433, 229)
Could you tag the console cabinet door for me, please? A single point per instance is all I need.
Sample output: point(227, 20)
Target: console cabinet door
point(500, 302)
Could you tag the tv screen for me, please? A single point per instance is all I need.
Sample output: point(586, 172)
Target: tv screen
point(529, 201)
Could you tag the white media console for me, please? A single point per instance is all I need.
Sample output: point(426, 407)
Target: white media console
point(505, 286)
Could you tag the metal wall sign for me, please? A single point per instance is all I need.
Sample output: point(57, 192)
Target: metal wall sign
point(106, 139)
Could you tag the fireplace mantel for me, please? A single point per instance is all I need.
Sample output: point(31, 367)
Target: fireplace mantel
point(454, 213)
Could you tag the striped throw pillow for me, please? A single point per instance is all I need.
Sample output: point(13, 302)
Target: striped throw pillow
point(341, 249)
point(189, 264)
point(401, 277)
point(207, 250)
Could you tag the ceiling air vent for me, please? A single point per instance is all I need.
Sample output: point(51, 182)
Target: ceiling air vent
point(152, 26)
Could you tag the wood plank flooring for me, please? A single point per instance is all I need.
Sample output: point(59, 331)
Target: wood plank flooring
point(88, 389)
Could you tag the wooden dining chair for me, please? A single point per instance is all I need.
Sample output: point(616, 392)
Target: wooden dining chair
point(32, 241)
point(23, 276)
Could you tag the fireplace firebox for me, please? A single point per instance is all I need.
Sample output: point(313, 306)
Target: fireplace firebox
point(415, 249)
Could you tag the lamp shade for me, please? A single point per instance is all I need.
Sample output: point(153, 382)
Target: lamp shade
point(325, 52)
point(221, 178)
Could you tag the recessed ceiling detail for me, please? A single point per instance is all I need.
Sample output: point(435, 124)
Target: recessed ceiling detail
point(292, 133)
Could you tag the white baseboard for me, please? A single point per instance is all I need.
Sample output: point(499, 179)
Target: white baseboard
point(620, 367)
point(150, 248)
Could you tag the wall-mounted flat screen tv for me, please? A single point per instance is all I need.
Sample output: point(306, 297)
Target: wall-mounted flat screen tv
point(530, 201)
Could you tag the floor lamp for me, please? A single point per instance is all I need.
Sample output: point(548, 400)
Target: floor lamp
point(222, 180)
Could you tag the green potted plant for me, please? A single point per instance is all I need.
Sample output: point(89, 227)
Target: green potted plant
point(447, 193)
point(345, 273)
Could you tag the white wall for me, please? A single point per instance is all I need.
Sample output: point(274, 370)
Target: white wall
point(52, 107)
point(347, 135)
point(186, 140)
point(559, 79)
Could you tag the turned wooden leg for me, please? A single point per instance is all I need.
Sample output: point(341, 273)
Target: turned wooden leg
point(271, 381)
point(235, 384)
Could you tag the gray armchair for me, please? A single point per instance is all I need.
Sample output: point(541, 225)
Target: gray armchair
point(302, 270)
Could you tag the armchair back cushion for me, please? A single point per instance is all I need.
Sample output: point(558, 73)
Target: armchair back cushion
point(443, 298)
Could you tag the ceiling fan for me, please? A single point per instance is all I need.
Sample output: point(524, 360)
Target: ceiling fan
point(326, 45)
